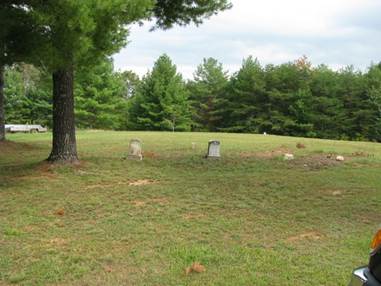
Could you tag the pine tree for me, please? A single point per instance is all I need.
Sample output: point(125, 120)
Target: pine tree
point(161, 100)
point(77, 33)
point(99, 100)
point(246, 99)
point(206, 91)
point(27, 95)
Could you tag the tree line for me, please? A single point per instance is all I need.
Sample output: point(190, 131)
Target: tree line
point(293, 99)
point(62, 37)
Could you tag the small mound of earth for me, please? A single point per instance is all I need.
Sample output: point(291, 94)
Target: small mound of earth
point(317, 161)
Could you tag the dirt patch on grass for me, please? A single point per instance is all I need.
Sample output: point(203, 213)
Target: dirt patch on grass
point(278, 152)
point(136, 183)
point(317, 161)
point(196, 267)
point(160, 201)
point(41, 172)
point(191, 216)
point(150, 155)
point(60, 212)
point(139, 203)
point(361, 154)
point(143, 182)
point(58, 242)
point(311, 235)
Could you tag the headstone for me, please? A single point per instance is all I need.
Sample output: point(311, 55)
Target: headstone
point(340, 158)
point(135, 150)
point(288, 157)
point(193, 145)
point(214, 149)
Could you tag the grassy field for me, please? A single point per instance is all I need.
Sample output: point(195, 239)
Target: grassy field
point(250, 218)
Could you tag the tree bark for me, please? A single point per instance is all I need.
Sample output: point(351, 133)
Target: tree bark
point(64, 147)
point(2, 113)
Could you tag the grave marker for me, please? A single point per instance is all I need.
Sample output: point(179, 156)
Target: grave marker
point(135, 150)
point(214, 149)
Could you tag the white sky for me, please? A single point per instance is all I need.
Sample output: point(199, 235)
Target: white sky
point(334, 32)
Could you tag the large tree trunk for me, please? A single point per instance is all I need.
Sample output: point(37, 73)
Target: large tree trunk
point(64, 144)
point(2, 113)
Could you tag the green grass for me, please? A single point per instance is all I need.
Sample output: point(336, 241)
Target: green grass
point(250, 218)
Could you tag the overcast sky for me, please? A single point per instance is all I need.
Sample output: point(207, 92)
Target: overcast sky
point(334, 32)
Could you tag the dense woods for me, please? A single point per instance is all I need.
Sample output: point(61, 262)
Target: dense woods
point(288, 99)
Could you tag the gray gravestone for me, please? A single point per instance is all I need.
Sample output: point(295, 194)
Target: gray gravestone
point(135, 150)
point(214, 149)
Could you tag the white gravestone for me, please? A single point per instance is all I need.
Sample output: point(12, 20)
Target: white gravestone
point(288, 157)
point(214, 149)
point(135, 149)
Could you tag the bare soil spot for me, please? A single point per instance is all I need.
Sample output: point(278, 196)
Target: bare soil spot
point(106, 185)
point(43, 171)
point(58, 242)
point(274, 153)
point(139, 203)
point(149, 155)
point(337, 193)
point(195, 267)
point(317, 161)
point(160, 201)
point(312, 235)
point(143, 182)
point(333, 192)
point(191, 216)
point(60, 212)
point(361, 154)
point(300, 146)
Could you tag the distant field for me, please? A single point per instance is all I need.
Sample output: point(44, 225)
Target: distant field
point(250, 218)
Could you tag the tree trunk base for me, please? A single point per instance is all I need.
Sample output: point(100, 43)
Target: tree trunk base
point(63, 159)
point(64, 147)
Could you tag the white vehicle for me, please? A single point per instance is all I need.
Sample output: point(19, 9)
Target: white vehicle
point(13, 128)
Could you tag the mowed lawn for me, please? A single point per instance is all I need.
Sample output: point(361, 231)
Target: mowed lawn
point(250, 218)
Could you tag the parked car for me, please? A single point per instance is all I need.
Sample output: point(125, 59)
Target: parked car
point(13, 128)
point(370, 275)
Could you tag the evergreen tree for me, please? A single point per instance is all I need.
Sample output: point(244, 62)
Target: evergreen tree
point(18, 38)
point(77, 33)
point(288, 92)
point(372, 104)
point(161, 100)
point(207, 89)
point(27, 95)
point(100, 101)
point(325, 109)
point(246, 100)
